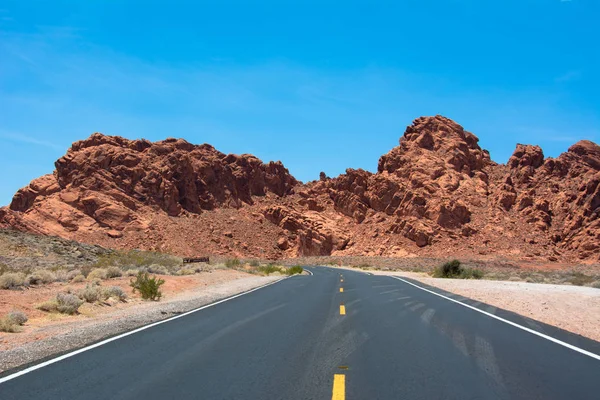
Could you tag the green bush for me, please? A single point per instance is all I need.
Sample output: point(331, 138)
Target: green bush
point(296, 269)
point(232, 263)
point(453, 269)
point(149, 288)
point(269, 269)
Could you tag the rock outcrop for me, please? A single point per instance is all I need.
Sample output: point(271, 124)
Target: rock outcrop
point(437, 193)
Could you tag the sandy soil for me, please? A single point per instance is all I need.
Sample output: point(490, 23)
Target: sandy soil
point(572, 308)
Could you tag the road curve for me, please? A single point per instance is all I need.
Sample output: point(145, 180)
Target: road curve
point(336, 334)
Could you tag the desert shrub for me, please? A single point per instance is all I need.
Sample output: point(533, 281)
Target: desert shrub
point(115, 292)
point(97, 273)
point(90, 294)
point(114, 272)
point(148, 287)
point(296, 269)
point(471, 273)
point(17, 317)
point(269, 269)
point(232, 263)
point(595, 284)
point(6, 325)
point(131, 272)
point(78, 278)
point(158, 269)
point(61, 275)
point(41, 276)
point(254, 263)
point(12, 280)
point(67, 303)
point(186, 271)
point(451, 269)
point(48, 306)
point(73, 273)
point(137, 258)
point(580, 279)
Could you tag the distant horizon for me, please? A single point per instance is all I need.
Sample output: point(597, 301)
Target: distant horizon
point(317, 86)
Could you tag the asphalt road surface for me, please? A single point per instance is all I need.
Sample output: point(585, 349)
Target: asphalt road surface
point(335, 335)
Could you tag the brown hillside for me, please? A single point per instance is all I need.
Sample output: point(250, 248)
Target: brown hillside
point(436, 194)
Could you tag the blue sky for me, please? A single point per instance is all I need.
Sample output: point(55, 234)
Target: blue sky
point(320, 85)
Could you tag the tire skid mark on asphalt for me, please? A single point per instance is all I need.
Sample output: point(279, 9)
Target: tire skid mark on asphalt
point(391, 291)
point(427, 315)
point(416, 307)
point(486, 360)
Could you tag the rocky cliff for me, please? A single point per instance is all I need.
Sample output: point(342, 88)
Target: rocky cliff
point(437, 193)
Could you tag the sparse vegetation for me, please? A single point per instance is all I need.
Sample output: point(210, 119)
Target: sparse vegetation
point(580, 279)
point(78, 278)
point(148, 287)
point(12, 321)
point(269, 269)
point(17, 317)
point(296, 269)
point(136, 259)
point(41, 276)
point(114, 272)
point(453, 269)
point(64, 303)
point(97, 273)
point(115, 292)
point(186, 271)
point(12, 280)
point(90, 294)
point(159, 269)
point(254, 263)
point(232, 263)
point(67, 303)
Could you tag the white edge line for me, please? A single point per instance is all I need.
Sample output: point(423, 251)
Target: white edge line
point(309, 271)
point(112, 339)
point(550, 338)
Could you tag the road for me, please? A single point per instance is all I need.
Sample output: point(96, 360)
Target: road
point(305, 338)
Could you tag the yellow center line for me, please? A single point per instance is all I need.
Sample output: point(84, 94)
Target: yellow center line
point(342, 309)
point(339, 387)
point(341, 289)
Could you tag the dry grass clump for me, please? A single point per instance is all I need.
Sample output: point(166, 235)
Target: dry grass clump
point(12, 321)
point(98, 273)
point(158, 269)
point(64, 303)
point(114, 272)
point(78, 278)
point(186, 271)
point(12, 280)
point(73, 273)
point(90, 294)
point(132, 272)
point(115, 292)
point(41, 276)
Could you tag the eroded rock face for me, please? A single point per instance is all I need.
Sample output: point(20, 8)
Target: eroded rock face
point(437, 193)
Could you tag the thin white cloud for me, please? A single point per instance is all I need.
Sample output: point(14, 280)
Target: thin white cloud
point(569, 76)
point(20, 138)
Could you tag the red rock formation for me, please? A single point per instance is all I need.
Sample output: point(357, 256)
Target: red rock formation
point(437, 193)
